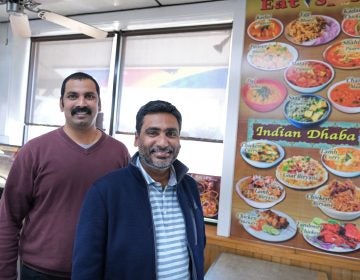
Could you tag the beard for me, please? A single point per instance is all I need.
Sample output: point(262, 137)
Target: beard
point(146, 157)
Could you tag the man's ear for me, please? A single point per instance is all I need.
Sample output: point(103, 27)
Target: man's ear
point(61, 104)
point(136, 140)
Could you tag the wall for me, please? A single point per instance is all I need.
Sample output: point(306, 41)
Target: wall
point(14, 57)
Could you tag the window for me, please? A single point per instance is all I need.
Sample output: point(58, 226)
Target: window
point(53, 60)
point(188, 69)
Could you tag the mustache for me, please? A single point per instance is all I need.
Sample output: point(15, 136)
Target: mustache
point(79, 109)
point(160, 149)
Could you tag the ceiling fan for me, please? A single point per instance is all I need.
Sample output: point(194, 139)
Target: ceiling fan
point(19, 20)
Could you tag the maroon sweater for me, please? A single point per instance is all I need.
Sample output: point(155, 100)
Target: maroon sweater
point(43, 196)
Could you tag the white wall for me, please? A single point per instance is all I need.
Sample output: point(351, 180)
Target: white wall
point(3, 78)
point(14, 56)
point(14, 64)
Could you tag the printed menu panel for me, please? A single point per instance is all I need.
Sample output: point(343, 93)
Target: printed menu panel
point(209, 189)
point(297, 168)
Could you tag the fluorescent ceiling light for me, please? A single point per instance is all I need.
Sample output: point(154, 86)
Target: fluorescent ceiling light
point(167, 24)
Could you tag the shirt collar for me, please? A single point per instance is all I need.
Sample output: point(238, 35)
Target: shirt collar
point(172, 180)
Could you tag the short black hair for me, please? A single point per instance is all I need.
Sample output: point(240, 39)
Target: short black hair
point(79, 76)
point(156, 106)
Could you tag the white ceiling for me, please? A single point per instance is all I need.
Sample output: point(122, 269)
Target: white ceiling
point(77, 7)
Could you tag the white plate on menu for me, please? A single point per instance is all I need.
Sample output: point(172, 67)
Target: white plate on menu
point(262, 147)
point(285, 234)
point(272, 56)
point(314, 241)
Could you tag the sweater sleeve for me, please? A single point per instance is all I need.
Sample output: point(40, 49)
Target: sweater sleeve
point(90, 239)
point(14, 206)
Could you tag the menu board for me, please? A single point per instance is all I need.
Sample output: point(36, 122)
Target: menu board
point(297, 164)
point(209, 190)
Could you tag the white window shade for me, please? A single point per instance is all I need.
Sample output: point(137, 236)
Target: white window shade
point(188, 69)
point(54, 61)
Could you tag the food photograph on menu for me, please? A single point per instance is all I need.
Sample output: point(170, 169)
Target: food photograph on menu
point(297, 164)
point(209, 189)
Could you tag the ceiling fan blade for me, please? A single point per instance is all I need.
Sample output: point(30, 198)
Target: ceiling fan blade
point(73, 24)
point(20, 25)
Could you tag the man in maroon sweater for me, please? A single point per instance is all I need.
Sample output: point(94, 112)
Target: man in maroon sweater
point(47, 182)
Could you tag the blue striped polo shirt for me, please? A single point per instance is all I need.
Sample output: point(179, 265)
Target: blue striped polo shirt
point(172, 258)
